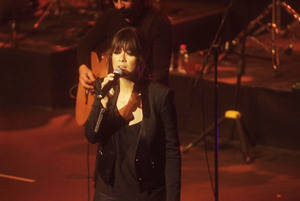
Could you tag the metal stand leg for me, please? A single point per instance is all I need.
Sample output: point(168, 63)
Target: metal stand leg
point(275, 31)
point(202, 135)
point(230, 114)
point(45, 14)
point(243, 141)
point(296, 16)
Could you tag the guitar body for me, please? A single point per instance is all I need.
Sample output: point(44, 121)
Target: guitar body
point(84, 98)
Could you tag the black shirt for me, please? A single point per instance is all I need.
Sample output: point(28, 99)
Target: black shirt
point(126, 186)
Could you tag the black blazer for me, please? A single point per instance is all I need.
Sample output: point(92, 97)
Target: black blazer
point(158, 160)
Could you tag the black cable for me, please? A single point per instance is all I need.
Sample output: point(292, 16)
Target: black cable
point(208, 166)
point(88, 169)
point(202, 94)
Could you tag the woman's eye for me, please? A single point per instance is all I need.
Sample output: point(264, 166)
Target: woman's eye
point(129, 52)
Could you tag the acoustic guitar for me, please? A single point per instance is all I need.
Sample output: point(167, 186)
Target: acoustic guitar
point(84, 98)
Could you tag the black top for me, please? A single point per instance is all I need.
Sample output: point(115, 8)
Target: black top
point(126, 183)
point(154, 26)
point(126, 141)
point(126, 186)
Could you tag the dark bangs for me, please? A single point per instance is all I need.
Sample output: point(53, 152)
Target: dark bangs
point(131, 42)
point(128, 40)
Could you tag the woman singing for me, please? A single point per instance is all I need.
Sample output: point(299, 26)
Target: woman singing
point(135, 127)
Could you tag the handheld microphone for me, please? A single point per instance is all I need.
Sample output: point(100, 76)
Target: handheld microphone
point(118, 73)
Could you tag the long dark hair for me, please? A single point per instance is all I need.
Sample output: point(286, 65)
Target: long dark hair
point(128, 38)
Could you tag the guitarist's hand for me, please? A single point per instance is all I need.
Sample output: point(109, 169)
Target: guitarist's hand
point(86, 77)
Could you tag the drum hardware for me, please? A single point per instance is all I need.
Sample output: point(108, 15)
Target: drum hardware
point(274, 27)
point(256, 27)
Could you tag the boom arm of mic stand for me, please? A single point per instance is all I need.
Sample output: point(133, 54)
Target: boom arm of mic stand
point(213, 44)
point(216, 38)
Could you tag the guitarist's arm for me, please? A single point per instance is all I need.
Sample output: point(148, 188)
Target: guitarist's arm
point(95, 37)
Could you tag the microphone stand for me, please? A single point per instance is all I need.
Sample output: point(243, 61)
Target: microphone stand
point(216, 38)
point(214, 49)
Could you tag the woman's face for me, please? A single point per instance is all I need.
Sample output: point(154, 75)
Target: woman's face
point(122, 4)
point(124, 60)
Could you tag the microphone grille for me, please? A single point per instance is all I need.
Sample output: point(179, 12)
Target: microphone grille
point(118, 71)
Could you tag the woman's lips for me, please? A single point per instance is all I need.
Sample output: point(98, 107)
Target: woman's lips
point(122, 67)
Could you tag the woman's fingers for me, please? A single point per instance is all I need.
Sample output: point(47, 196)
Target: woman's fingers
point(107, 79)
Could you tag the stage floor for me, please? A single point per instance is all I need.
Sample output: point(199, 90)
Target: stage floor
point(49, 150)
